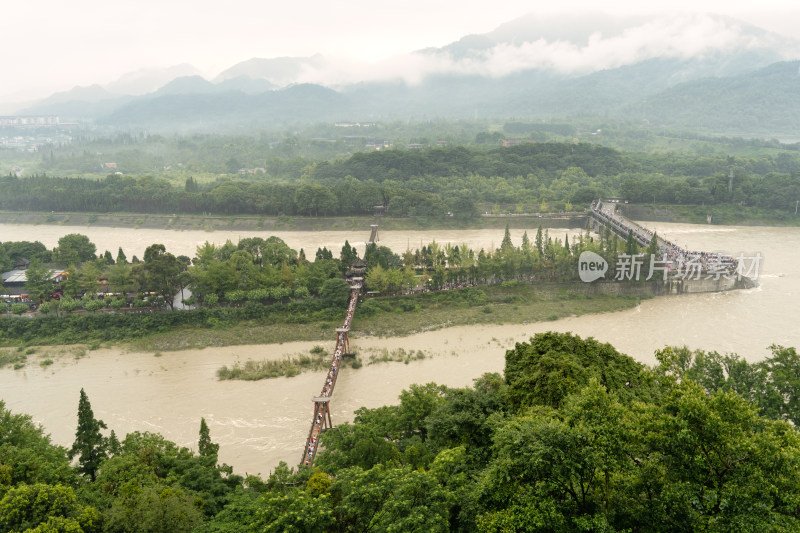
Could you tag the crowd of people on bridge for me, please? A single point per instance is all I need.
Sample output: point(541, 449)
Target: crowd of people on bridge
point(330, 379)
point(677, 258)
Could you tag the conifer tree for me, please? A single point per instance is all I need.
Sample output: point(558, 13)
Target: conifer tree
point(526, 243)
point(113, 447)
point(506, 245)
point(652, 248)
point(539, 241)
point(204, 445)
point(121, 256)
point(89, 445)
point(631, 248)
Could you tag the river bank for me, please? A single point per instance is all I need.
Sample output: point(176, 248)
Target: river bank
point(687, 214)
point(507, 303)
point(722, 214)
point(210, 223)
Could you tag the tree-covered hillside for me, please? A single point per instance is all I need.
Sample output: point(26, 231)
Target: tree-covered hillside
point(456, 181)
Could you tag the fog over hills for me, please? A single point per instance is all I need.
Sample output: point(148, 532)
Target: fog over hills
point(534, 67)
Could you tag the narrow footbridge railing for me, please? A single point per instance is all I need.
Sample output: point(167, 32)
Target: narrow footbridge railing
point(322, 413)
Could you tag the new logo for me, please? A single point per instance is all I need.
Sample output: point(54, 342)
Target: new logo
point(591, 266)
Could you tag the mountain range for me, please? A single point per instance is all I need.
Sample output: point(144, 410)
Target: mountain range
point(701, 72)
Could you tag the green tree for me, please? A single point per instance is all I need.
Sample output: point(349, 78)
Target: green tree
point(506, 245)
point(153, 509)
point(205, 447)
point(539, 241)
point(335, 291)
point(19, 309)
point(631, 247)
point(121, 258)
point(44, 508)
point(315, 200)
point(552, 470)
point(295, 511)
point(348, 255)
point(26, 454)
point(93, 304)
point(376, 279)
point(783, 368)
point(715, 465)
point(390, 499)
point(160, 273)
point(275, 252)
point(74, 249)
point(38, 283)
point(89, 445)
point(554, 365)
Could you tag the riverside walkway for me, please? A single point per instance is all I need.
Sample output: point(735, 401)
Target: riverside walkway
point(322, 413)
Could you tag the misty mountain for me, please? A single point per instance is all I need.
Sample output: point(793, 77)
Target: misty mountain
point(232, 109)
point(683, 71)
point(279, 71)
point(147, 80)
point(89, 94)
point(246, 84)
point(78, 104)
point(187, 85)
point(199, 85)
point(762, 102)
point(577, 30)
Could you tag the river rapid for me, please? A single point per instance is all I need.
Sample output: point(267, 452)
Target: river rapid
point(258, 424)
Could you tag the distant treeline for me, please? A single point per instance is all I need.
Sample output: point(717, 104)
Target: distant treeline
point(433, 182)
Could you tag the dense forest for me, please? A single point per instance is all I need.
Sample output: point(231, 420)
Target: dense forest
point(573, 437)
point(453, 181)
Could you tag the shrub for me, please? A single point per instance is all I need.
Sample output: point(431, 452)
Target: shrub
point(18, 309)
point(68, 304)
point(235, 296)
point(94, 305)
point(48, 307)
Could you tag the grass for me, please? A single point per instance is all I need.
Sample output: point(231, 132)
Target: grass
point(518, 304)
point(405, 315)
point(18, 358)
point(252, 370)
point(397, 356)
point(13, 358)
point(245, 332)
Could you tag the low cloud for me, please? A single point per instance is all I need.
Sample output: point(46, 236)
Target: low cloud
point(678, 36)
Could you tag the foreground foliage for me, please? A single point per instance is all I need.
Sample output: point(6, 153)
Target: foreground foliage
point(575, 437)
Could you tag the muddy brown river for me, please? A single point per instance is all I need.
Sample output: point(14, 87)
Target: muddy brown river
point(258, 424)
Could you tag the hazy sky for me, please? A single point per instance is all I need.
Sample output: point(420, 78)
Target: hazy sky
point(54, 45)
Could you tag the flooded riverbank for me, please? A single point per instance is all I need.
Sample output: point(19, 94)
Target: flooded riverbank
point(260, 423)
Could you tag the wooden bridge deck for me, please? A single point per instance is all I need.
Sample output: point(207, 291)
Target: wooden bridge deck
point(322, 415)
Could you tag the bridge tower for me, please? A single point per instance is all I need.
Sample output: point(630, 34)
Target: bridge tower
point(345, 340)
point(322, 406)
point(373, 237)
